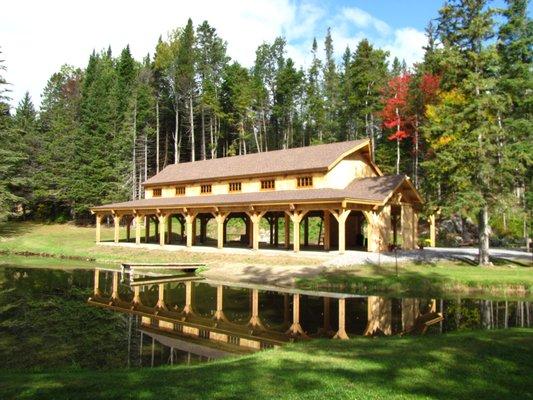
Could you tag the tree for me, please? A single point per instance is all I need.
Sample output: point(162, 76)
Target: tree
point(367, 74)
point(395, 111)
point(515, 40)
point(11, 156)
point(59, 130)
point(315, 100)
point(331, 90)
point(468, 159)
point(211, 60)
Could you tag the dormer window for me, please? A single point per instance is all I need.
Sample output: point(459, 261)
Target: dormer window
point(268, 184)
point(156, 192)
point(235, 186)
point(180, 190)
point(305, 181)
point(205, 189)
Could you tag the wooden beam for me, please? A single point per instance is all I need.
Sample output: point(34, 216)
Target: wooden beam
point(98, 227)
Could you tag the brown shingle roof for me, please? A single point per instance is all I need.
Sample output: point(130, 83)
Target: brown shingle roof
point(301, 159)
point(368, 190)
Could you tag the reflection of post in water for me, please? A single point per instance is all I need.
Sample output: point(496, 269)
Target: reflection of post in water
point(114, 294)
point(296, 328)
point(188, 298)
point(161, 298)
point(255, 321)
point(379, 316)
point(341, 333)
point(219, 313)
point(136, 296)
point(286, 313)
point(96, 290)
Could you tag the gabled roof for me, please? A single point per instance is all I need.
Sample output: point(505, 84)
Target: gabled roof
point(374, 191)
point(296, 160)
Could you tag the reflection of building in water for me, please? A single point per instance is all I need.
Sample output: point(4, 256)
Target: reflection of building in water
point(174, 315)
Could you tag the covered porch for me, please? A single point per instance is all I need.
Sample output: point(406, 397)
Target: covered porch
point(313, 226)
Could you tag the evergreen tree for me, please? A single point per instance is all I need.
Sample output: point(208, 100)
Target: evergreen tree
point(11, 155)
point(331, 91)
point(315, 100)
point(470, 162)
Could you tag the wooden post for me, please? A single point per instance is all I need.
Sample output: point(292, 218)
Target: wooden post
point(189, 221)
point(341, 217)
point(296, 217)
point(287, 231)
point(98, 227)
point(96, 290)
point(407, 227)
point(136, 295)
point(219, 314)
point(296, 328)
point(162, 222)
point(220, 218)
point(114, 293)
point(138, 219)
point(432, 231)
point(276, 231)
point(341, 333)
point(161, 297)
point(188, 298)
point(116, 219)
point(128, 228)
point(255, 218)
point(169, 229)
point(327, 230)
point(306, 231)
point(146, 228)
point(255, 321)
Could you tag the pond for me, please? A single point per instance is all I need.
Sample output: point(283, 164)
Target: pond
point(104, 318)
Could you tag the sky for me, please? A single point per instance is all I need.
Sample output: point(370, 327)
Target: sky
point(37, 37)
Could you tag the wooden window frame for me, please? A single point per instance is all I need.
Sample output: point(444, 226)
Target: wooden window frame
point(304, 181)
point(157, 192)
point(234, 187)
point(180, 190)
point(206, 189)
point(268, 184)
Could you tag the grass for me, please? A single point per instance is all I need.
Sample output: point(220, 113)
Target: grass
point(70, 241)
point(488, 365)
point(444, 278)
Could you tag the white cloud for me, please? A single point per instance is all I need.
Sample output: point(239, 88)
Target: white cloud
point(407, 45)
point(37, 37)
point(362, 19)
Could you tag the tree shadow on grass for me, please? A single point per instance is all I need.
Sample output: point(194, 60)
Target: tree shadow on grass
point(490, 365)
point(11, 229)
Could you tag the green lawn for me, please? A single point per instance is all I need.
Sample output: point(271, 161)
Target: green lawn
point(486, 365)
point(444, 278)
point(68, 240)
point(429, 279)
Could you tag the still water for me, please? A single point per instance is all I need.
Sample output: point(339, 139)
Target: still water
point(99, 318)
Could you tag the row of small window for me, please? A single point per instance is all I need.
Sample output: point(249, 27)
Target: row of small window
point(268, 184)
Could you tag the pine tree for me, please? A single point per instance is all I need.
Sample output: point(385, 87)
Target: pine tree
point(367, 74)
point(316, 117)
point(331, 91)
point(469, 159)
point(11, 155)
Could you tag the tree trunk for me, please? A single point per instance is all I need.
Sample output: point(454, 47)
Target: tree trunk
point(211, 138)
point(175, 137)
point(191, 121)
point(134, 155)
point(204, 150)
point(157, 135)
point(484, 232)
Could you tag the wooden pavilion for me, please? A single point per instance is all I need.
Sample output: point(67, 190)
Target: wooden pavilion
point(339, 183)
